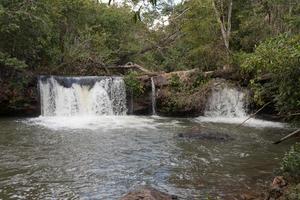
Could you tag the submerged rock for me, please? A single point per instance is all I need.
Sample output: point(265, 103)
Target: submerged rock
point(148, 193)
point(202, 133)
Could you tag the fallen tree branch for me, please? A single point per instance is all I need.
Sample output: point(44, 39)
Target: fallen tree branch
point(252, 115)
point(287, 137)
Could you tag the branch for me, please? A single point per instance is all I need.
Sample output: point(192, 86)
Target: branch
point(166, 40)
point(180, 14)
point(229, 19)
point(287, 137)
point(252, 115)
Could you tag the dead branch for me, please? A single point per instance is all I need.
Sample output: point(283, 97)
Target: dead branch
point(287, 137)
point(252, 115)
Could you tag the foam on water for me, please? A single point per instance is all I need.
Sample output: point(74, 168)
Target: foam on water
point(94, 122)
point(253, 122)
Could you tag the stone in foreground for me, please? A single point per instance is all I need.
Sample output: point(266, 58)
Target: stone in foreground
point(148, 193)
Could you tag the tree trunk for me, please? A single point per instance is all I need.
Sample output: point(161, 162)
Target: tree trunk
point(225, 25)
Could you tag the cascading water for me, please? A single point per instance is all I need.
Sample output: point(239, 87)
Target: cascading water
point(227, 104)
point(77, 96)
point(153, 96)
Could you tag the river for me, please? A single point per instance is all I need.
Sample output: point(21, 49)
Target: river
point(104, 157)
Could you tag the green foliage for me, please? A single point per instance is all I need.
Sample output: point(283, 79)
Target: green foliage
point(175, 82)
point(291, 162)
point(199, 44)
point(193, 82)
point(6, 60)
point(133, 84)
point(293, 193)
point(82, 36)
point(199, 80)
point(66, 33)
point(279, 58)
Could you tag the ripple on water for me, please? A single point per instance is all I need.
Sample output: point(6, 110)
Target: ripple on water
point(104, 158)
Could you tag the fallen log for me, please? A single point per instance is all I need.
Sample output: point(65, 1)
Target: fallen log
point(287, 137)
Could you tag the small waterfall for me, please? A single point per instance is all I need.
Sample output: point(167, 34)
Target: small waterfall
point(76, 96)
point(226, 102)
point(153, 96)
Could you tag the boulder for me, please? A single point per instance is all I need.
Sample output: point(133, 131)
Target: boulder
point(277, 188)
point(148, 193)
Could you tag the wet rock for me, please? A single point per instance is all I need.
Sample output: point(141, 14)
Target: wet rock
point(277, 188)
point(148, 193)
point(248, 196)
point(205, 134)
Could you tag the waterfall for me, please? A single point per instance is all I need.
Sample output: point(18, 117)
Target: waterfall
point(77, 96)
point(226, 102)
point(153, 96)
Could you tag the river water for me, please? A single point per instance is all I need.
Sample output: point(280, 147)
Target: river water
point(104, 157)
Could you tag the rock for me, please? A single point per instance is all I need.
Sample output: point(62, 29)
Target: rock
point(277, 188)
point(247, 196)
point(205, 134)
point(160, 81)
point(148, 193)
point(279, 181)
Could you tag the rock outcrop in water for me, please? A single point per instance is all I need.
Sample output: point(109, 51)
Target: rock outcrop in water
point(203, 133)
point(148, 193)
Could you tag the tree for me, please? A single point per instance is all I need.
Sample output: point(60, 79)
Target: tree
point(280, 58)
point(224, 18)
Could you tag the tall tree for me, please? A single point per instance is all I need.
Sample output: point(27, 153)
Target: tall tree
point(223, 11)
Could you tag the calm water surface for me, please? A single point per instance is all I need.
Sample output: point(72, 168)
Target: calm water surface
point(106, 157)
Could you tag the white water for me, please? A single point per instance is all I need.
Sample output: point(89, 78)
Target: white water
point(226, 102)
point(228, 105)
point(101, 96)
point(153, 96)
point(104, 122)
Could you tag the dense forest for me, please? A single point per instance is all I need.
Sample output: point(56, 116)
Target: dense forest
point(253, 43)
point(257, 38)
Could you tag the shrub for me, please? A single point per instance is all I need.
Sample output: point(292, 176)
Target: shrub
point(280, 59)
point(175, 82)
point(291, 162)
point(133, 84)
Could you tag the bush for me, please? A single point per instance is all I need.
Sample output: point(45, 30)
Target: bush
point(175, 82)
point(280, 59)
point(291, 162)
point(133, 84)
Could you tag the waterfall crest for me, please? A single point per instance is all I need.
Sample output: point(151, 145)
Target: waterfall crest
point(76, 96)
